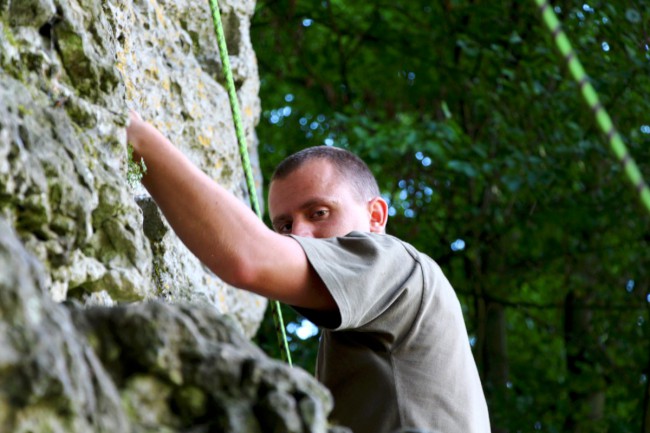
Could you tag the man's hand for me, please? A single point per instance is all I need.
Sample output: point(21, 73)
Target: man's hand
point(136, 132)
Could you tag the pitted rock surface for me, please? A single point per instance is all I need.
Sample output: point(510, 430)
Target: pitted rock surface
point(69, 73)
point(144, 367)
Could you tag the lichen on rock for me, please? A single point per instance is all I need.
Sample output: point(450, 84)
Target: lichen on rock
point(69, 74)
point(49, 379)
point(107, 322)
point(145, 367)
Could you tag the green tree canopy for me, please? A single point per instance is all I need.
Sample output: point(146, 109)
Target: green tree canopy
point(494, 166)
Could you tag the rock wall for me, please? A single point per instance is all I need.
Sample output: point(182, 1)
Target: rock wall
point(149, 367)
point(79, 243)
point(69, 72)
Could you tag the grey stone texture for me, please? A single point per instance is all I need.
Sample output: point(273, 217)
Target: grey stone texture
point(69, 72)
point(136, 368)
point(107, 322)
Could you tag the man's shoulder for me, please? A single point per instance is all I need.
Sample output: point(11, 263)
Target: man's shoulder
point(379, 238)
point(391, 241)
point(367, 245)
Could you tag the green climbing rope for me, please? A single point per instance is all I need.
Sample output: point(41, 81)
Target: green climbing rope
point(591, 97)
point(243, 152)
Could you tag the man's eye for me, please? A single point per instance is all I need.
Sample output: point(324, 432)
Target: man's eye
point(320, 213)
point(284, 228)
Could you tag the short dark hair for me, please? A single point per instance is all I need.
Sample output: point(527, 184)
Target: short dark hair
point(349, 165)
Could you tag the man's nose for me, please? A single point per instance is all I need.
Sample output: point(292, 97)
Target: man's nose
point(303, 229)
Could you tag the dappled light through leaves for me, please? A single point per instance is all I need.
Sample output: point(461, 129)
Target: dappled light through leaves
point(492, 164)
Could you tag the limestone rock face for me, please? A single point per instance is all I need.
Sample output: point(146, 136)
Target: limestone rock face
point(69, 72)
point(49, 380)
point(144, 367)
point(107, 322)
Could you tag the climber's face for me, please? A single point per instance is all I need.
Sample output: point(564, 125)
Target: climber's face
point(315, 201)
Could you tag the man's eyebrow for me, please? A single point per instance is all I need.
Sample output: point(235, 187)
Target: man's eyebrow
point(329, 201)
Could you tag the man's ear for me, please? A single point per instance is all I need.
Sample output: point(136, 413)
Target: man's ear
point(378, 215)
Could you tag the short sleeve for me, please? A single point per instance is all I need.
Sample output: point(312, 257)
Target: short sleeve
point(365, 273)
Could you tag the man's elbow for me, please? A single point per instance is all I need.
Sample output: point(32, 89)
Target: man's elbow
point(299, 286)
point(247, 274)
point(241, 274)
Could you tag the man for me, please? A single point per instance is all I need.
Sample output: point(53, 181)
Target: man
point(394, 350)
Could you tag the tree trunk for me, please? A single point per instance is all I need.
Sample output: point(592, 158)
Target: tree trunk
point(586, 389)
point(490, 352)
point(495, 356)
point(645, 422)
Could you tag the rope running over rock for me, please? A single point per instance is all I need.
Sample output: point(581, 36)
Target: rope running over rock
point(243, 152)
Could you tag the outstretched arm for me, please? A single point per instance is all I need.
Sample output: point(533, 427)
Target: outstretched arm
point(220, 230)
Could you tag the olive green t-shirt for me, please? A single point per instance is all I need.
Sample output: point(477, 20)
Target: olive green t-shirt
point(398, 355)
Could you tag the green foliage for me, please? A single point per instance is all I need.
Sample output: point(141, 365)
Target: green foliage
point(493, 166)
point(135, 169)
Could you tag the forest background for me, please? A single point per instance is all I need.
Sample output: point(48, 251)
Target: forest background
point(493, 165)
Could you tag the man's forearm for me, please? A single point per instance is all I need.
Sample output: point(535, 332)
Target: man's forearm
point(209, 220)
point(221, 230)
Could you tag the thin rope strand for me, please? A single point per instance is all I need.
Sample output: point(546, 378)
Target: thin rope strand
point(243, 152)
point(591, 97)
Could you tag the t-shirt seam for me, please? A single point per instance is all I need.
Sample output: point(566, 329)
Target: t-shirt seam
point(398, 398)
point(419, 310)
point(397, 376)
